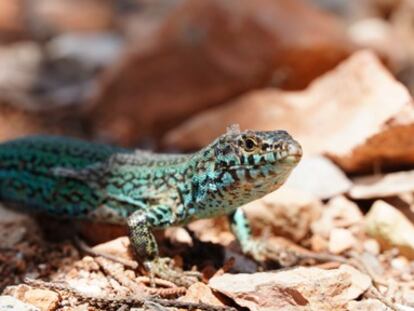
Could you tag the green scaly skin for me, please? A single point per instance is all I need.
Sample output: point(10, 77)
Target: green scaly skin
point(71, 178)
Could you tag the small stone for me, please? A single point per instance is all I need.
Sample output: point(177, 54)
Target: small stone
point(390, 228)
point(214, 230)
point(117, 247)
point(341, 240)
point(9, 303)
point(339, 212)
point(287, 212)
point(400, 263)
point(200, 292)
point(178, 235)
point(318, 243)
point(366, 305)
point(372, 246)
point(43, 299)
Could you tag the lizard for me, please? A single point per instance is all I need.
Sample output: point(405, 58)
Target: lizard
point(76, 179)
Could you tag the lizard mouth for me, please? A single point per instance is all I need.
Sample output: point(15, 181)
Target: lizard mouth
point(293, 153)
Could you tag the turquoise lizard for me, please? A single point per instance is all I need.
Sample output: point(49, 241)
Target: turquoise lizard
point(72, 178)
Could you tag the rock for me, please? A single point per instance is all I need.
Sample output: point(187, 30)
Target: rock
point(16, 122)
point(199, 292)
point(214, 230)
point(118, 247)
point(207, 52)
point(178, 235)
point(54, 16)
point(380, 36)
point(319, 243)
point(381, 186)
point(372, 246)
point(401, 264)
point(93, 50)
point(366, 305)
point(338, 213)
point(285, 212)
point(13, 227)
point(390, 228)
point(11, 20)
point(106, 232)
point(8, 303)
point(29, 88)
point(43, 299)
point(331, 181)
point(11, 216)
point(296, 289)
point(25, 75)
point(376, 124)
point(140, 20)
point(341, 240)
point(20, 65)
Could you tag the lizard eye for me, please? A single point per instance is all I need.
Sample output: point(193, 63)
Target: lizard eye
point(250, 144)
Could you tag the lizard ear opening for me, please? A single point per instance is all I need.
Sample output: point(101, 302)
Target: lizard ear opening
point(233, 129)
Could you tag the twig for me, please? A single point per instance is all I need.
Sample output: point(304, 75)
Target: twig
point(90, 251)
point(157, 281)
point(355, 261)
point(358, 263)
point(137, 285)
point(118, 274)
point(373, 292)
point(114, 303)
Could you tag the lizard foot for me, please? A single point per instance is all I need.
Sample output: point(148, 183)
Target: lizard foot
point(163, 267)
point(262, 251)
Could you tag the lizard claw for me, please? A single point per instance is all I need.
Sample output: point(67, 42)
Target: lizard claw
point(163, 267)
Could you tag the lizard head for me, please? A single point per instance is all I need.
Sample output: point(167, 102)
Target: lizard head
point(250, 164)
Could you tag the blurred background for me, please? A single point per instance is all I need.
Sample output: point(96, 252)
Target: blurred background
point(173, 74)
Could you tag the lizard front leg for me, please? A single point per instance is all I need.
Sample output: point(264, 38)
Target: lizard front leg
point(146, 248)
point(258, 249)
